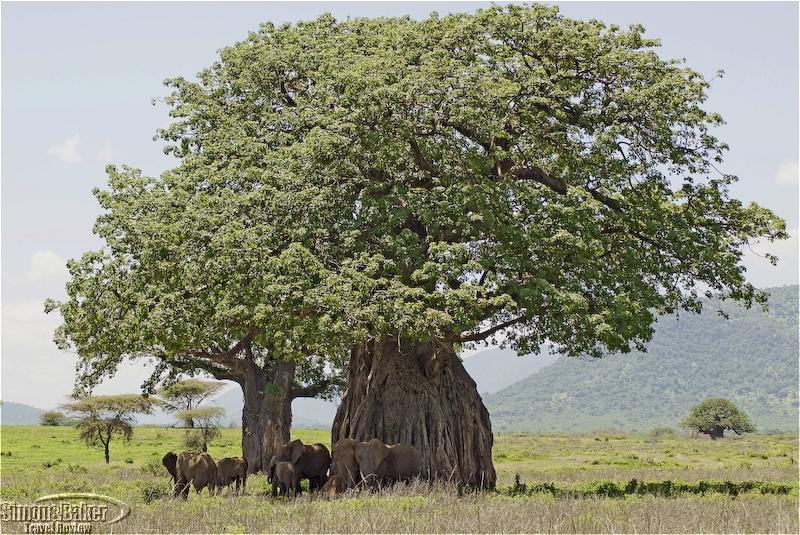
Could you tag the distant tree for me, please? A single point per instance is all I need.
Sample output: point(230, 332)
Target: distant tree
point(715, 415)
point(99, 418)
point(53, 418)
point(187, 395)
point(206, 428)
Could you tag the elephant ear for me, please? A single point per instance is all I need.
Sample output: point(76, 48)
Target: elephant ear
point(370, 455)
point(296, 450)
point(379, 451)
point(169, 461)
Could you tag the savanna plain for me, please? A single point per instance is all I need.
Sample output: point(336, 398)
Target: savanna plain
point(657, 482)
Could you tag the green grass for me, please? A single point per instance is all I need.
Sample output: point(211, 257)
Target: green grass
point(566, 483)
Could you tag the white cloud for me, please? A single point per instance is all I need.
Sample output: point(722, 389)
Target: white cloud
point(106, 153)
point(47, 266)
point(788, 173)
point(763, 274)
point(67, 150)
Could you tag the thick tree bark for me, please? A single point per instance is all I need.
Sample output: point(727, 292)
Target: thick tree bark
point(419, 393)
point(267, 414)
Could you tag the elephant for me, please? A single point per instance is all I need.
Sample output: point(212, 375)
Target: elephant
point(231, 469)
point(196, 469)
point(375, 462)
point(335, 485)
point(344, 465)
point(311, 461)
point(285, 478)
point(169, 461)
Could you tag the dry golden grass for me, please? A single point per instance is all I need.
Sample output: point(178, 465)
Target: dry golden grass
point(443, 511)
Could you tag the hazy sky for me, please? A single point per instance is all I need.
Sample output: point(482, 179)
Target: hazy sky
point(77, 85)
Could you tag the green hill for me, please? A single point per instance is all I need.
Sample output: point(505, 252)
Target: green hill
point(751, 358)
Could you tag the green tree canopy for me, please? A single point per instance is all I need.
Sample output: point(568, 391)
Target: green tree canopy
point(716, 415)
point(100, 418)
point(509, 169)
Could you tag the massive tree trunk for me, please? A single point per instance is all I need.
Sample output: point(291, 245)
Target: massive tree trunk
point(267, 413)
point(419, 393)
point(716, 432)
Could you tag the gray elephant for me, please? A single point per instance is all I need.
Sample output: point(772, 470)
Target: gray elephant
point(285, 478)
point(230, 470)
point(196, 469)
point(375, 462)
point(310, 460)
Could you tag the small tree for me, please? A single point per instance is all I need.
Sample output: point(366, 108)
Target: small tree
point(206, 428)
point(185, 396)
point(99, 418)
point(53, 418)
point(713, 416)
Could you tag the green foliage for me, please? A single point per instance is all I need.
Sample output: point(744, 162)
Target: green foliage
point(343, 179)
point(54, 418)
point(750, 358)
point(719, 414)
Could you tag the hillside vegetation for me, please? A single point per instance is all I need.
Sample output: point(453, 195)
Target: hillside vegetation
point(751, 359)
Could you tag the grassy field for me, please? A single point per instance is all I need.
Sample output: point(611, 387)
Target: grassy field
point(547, 483)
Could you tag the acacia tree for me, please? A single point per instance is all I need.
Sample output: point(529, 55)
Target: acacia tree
point(428, 184)
point(187, 395)
point(715, 415)
point(99, 418)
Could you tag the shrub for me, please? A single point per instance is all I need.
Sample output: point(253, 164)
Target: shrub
point(53, 418)
point(154, 467)
point(154, 490)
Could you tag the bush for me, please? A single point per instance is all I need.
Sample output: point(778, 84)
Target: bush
point(666, 488)
point(53, 418)
point(154, 490)
point(50, 464)
point(193, 440)
point(154, 468)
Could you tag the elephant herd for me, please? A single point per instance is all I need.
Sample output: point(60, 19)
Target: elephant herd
point(352, 464)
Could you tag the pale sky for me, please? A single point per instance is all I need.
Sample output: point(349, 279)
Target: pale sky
point(77, 85)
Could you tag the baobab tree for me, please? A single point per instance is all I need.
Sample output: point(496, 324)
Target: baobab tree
point(714, 416)
point(402, 188)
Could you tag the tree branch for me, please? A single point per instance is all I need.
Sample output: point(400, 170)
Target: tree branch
point(488, 332)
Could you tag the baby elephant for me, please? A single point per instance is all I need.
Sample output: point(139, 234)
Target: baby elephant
point(334, 486)
point(285, 478)
point(230, 470)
